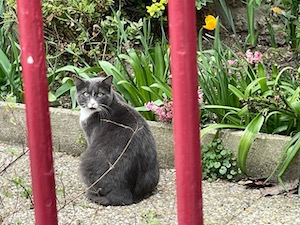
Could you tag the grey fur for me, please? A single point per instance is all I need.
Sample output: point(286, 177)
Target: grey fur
point(111, 127)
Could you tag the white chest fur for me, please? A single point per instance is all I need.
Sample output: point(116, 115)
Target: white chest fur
point(85, 113)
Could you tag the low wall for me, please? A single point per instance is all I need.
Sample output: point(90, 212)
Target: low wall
point(67, 136)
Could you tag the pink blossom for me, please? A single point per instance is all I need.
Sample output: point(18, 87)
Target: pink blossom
point(165, 111)
point(257, 57)
point(253, 58)
point(231, 62)
point(200, 96)
point(249, 56)
point(151, 106)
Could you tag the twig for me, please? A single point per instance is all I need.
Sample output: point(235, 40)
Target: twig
point(13, 162)
point(10, 110)
point(118, 124)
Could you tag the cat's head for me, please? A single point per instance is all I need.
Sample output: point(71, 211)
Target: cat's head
point(94, 93)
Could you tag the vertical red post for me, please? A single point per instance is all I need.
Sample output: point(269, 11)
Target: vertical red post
point(37, 111)
point(182, 29)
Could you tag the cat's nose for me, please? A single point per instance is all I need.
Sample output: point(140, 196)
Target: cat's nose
point(92, 104)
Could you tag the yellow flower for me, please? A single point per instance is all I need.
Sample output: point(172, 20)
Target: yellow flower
point(210, 22)
point(160, 6)
point(278, 10)
point(151, 10)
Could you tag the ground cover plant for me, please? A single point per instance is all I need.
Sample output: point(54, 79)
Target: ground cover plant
point(218, 162)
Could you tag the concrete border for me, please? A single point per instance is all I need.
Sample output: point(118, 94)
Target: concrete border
point(67, 136)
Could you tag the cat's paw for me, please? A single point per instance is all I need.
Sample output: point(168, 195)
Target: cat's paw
point(101, 200)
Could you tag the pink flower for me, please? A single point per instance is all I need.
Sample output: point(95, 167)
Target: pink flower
point(231, 62)
point(164, 112)
point(257, 57)
point(151, 106)
point(200, 96)
point(253, 58)
point(249, 56)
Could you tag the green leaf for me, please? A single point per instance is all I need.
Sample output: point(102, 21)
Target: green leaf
point(223, 152)
point(288, 153)
point(73, 98)
point(247, 139)
point(159, 70)
point(236, 92)
point(51, 97)
point(217, 165)
point(164, 87)
point(243, 111)
point(63, 89)
point(262, 74)
point(219, 126)
point(291, 153)
point(280, 73)
point(229, 176)
point(294, 101)
point(4, 63)
point(92, 70)
point(141, 109)
point(222, 107)
point(251, 87)
point(223, 170)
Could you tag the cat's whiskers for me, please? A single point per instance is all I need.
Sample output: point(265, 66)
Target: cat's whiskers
point(104, 110)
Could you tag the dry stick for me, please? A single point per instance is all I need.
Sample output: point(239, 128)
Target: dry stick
point(63, 191)
point(118, 124)
point(25, 151)
point(11, 111)
point(137, 129)
point(104, 49)
point(13, 162)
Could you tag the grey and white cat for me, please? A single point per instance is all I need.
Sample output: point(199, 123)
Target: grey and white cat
point(120, 162)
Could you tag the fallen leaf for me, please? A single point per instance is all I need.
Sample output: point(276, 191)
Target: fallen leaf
point(255, 183)
point(291, 187)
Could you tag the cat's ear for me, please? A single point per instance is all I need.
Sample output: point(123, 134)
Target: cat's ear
point(108, 80)
point(77, 81)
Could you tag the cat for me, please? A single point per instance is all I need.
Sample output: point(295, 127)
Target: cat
point(121, 148)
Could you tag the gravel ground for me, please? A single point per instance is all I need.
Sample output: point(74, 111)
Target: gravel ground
point(224, 202)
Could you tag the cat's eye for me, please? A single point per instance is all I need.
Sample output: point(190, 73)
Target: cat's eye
point(85, 94)
point(100, 94)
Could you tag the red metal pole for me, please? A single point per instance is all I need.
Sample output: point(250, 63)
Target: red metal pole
point(37, 111)
point(182, 29)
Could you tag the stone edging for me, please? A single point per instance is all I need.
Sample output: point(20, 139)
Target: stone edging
point(67, 137)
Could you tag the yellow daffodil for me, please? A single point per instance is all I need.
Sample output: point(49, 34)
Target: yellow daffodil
point(210, 22)
point(277, 10)
point(151, 10)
